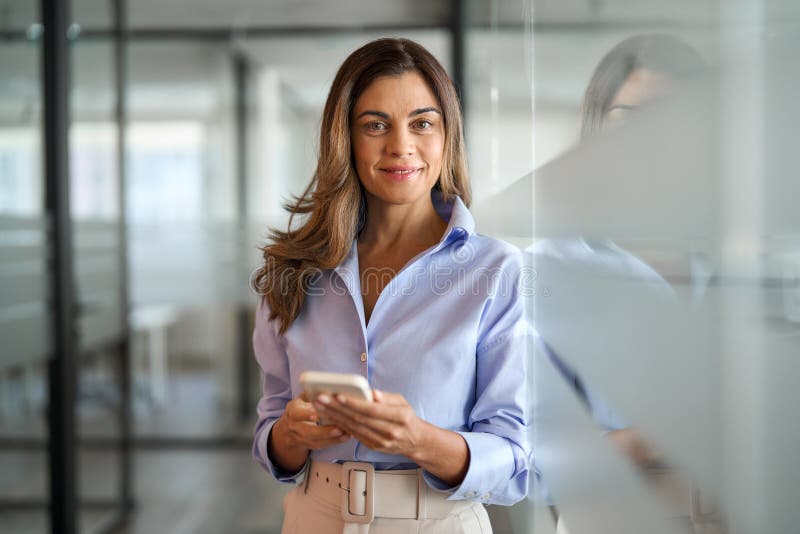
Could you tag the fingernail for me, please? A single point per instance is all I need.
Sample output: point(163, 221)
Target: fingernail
point(336, 432)
point(340, 398)
point(324, 399)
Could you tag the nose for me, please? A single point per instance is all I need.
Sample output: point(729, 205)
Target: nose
point(400, 143)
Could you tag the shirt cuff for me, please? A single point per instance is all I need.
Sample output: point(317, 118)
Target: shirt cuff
point(263, 458)
point(491, 463)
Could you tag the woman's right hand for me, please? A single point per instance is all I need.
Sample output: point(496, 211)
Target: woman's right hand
point(296, 433)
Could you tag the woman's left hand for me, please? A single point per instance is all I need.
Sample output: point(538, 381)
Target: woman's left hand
point(389, 424)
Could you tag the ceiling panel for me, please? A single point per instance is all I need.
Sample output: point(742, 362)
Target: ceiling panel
point(285, 13)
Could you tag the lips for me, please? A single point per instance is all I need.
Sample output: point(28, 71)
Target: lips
point(401, 172)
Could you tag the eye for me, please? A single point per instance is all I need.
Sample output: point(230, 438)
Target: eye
point(375, 126)
point(423, 124)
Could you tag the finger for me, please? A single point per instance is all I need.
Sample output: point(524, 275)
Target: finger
point(355, 430)
point(326, 405)
point(306, 415)
point(312, 433)
point(394, 413)
point(374, 440)
point(352, 422)
point(385, 397)
point(301, 411)
point(341, 420)
point(318, 431)
point(317, 437)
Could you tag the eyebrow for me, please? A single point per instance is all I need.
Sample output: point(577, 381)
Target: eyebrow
point(381, 114)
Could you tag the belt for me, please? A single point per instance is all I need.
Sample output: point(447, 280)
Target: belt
point(363, 493)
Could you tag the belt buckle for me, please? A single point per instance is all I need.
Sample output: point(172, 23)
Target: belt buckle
point(352, 478)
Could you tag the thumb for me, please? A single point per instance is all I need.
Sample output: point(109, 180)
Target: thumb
point(385, 397)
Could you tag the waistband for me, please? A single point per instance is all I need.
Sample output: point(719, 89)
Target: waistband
point(363, 493)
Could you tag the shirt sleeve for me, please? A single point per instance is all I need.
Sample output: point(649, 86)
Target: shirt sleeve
point(276, 389)
point(499, 450)
point(601, 412)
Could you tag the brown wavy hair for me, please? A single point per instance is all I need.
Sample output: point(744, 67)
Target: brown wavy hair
point(333, 205)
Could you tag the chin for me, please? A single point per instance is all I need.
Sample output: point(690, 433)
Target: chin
point(400, 200)
point(399, 197)
point(399, 192)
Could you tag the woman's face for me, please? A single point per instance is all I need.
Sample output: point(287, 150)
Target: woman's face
point(397, 135)
point(639, 88)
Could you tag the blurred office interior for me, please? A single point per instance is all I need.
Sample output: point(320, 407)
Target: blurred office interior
point(146, 146)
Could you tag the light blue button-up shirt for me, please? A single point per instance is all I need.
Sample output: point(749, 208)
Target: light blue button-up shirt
point(448, 333)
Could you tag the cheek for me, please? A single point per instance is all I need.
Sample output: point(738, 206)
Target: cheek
point(363, 152)
point(434, 152)
point(358, 153)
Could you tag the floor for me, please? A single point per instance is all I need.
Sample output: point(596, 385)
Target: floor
point(204, 492)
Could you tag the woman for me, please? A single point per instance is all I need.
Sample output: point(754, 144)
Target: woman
point(386, 278)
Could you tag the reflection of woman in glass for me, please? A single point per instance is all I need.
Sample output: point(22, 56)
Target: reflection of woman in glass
point(636, 71)
point(368, 283)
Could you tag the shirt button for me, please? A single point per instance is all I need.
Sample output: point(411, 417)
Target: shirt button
point(363, 356)
point(486, 496)
point(470, 494)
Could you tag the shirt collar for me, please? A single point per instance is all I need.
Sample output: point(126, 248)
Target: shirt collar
point(460, 221)
point(461, 225)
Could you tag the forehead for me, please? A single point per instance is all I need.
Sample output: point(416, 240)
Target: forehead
point(407, 91)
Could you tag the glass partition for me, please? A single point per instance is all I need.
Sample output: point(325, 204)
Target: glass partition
point(98, 255)
point(24, 279)
point(655, 217)
point(181, 209)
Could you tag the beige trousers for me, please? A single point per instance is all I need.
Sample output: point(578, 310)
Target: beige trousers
point(304, 513)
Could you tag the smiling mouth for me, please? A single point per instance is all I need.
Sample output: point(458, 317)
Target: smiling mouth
point(401, 173)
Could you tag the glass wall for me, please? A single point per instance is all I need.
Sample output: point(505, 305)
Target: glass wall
point(98, 254)
point(27, 265)
point(181, 202)
point(664, 256)
point(24, 280)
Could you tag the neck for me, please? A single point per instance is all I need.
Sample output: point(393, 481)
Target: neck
point(390, 225)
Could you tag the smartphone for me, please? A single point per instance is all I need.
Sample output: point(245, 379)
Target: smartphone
point(316, 382)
